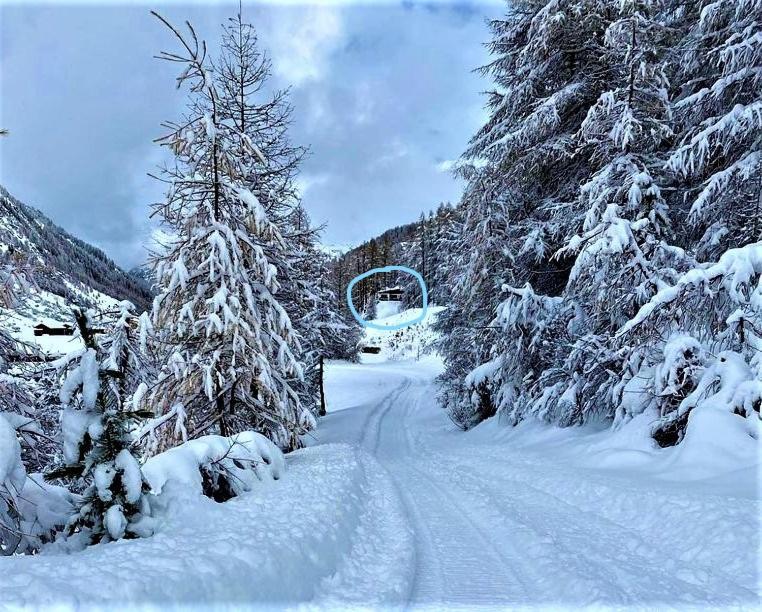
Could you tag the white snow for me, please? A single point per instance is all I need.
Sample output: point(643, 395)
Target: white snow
point(387, 309)
point(331, 532)
point(249, 456)
point(12, 471)
point(115, 522)
point(40, 306)
point(541, 516)
point(406, 343)
point(132, 479)
point(392, 506)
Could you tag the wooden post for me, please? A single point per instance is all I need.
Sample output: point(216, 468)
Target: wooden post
point(322, 388)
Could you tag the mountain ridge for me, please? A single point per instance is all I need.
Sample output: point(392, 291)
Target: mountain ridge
point(59, 258)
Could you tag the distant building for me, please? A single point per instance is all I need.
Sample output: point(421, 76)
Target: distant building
point(390, 294)
point(45, 330)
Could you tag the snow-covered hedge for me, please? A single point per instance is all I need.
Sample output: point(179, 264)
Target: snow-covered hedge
point(217, 466)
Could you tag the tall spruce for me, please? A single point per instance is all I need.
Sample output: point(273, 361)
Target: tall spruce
point(718, 119)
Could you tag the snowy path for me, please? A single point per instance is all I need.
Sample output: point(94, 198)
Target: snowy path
point(391, 507)
point(494, 526)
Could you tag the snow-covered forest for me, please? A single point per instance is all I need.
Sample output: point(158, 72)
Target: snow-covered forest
point(576, 421)
point(613, 211)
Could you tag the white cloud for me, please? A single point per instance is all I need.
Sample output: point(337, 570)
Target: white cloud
point(301, 43)
point(364, 104)
point(394, 151)
point(306, 181)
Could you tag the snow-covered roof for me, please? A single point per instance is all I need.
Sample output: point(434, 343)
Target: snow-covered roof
point(395, 289)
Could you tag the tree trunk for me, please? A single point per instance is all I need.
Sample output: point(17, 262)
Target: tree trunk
point(322, 388)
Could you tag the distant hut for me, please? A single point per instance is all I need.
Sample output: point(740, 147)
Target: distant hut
point(45, 330)
point(390, 294)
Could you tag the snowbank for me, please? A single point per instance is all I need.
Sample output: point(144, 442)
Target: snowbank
point(387, 309)
point(246, 459)
point(718, 456)
point(331, 531)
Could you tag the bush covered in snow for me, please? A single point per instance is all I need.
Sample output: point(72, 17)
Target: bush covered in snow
point(215, 466)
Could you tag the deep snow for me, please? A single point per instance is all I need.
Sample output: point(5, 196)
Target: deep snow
point(539, 516)
point(392, 506)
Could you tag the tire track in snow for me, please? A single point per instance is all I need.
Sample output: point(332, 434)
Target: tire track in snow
point(497, 527)
point(479, 572)
point(372, 423)
point(646, 546)
point(696, 581)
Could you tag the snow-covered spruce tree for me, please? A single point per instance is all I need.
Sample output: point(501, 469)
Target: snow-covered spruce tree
point(626, 218)
point(465, 325)
point(241, 77)
point(716, 358)
point(622, 256)
point(718, 110)
point(268, 159)
point(327, 334)
point(24, 402)
point(417, 256)
point(444, 256)
point(324, 333)
point(522, 170)
point(101, 389)
point(534, 333)
point(230, 350)
point(549, 68)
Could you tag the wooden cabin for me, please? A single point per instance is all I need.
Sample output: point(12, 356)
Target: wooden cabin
point(390, 294)
point(45, 330)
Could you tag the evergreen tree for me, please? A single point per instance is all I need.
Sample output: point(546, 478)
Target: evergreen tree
point(718, 112)
point(230, 350)
point(323, 331)
point(593, 164)
point(101, 389)
point(522, 173)
point(467, 322)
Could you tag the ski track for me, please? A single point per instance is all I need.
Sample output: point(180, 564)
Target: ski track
point(492, 527)
point(393, 509)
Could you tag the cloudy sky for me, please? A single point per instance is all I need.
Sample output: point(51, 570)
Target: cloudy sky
point(384, 94)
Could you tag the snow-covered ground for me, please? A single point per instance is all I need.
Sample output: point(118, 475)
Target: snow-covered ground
point(407, 343)
point(322, 534)
point(391, 506)
point(523, 517)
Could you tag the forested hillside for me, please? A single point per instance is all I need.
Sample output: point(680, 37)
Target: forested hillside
point(422, 246)
point(58, 258)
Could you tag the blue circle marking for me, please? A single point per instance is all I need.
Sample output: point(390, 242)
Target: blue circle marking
point(368, 324)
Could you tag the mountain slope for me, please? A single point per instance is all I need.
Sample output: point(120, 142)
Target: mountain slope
point(64, 265)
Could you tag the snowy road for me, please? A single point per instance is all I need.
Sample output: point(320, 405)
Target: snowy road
point(392, 507)
point(496, 526)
